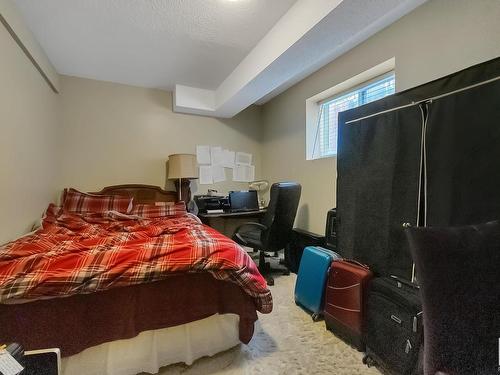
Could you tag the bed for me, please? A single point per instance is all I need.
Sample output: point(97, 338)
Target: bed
point(122, 294)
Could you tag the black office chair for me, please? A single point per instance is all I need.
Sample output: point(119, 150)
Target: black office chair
point(273, 233)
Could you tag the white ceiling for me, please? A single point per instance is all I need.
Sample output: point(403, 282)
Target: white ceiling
point(217, 56)
point(310, 35)
point(151, 43)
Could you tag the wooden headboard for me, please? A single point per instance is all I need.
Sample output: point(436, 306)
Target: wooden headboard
point(147, 194)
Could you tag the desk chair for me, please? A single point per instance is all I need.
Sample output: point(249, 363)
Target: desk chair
point(273, 233)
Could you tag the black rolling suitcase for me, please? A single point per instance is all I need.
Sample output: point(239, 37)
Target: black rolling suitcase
point(394, 330)
point(299, 240)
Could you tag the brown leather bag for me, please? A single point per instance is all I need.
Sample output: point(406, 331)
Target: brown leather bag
point(344, 300)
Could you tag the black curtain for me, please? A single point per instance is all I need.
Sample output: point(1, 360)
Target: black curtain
point(378, 165)
point(378, 174)
point(463, 157)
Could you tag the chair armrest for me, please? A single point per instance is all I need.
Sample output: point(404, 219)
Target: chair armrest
point(251, 224)
point(237, 236)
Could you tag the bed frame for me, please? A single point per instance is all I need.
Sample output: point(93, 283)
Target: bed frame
point(142, 194)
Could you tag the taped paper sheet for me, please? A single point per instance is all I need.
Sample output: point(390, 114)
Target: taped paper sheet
point(228, 158)
point(244, 173)
point(205, 175)
point(242, 158)
point(218, 173)
point(203, 154)
point(217, 155)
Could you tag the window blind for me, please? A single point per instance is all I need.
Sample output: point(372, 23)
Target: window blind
point(329, 109)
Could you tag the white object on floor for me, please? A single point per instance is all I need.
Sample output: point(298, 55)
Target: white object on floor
point(8, 364)
point(152, 349)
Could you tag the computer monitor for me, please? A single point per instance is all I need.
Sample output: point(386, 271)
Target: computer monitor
point(244, 200)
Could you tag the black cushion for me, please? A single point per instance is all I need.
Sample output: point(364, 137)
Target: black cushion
point(252, 237)
point(458, 271)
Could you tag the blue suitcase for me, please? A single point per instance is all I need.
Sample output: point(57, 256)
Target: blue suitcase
point(312, 277)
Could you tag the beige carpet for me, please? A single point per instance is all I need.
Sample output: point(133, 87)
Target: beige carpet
point(286, 341)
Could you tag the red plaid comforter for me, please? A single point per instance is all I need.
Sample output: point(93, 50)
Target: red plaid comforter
point(85, 253)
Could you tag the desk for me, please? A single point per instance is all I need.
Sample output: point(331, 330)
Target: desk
point(227, 222)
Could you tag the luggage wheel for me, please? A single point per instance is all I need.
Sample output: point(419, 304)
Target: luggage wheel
point(316, 317)
point(367, 360)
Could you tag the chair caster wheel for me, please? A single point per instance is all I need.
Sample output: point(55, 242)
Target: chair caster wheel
point(315, 317)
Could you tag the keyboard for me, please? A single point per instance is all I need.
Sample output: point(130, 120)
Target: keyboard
point(235, 210)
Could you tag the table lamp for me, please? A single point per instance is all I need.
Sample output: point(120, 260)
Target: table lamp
point(182, 166)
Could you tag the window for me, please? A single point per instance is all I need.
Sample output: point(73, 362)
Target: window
point(325, 143)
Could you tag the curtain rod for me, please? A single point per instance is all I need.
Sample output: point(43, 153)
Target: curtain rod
point(426, 100)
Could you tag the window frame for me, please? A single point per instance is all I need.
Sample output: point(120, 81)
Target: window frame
point(339, 85)
point(345, 92)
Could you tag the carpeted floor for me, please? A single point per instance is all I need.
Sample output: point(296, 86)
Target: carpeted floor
point(286, 341)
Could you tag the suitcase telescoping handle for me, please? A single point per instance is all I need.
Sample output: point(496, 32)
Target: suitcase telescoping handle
point(404, 282)
point(357, 263)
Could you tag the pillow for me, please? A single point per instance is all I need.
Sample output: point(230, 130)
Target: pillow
point(458, 269)
point(153, 211)
point(78, 202)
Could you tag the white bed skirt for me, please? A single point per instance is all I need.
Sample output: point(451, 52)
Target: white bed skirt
point(151, 350)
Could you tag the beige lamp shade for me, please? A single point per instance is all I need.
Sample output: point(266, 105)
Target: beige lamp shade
point(182, 166)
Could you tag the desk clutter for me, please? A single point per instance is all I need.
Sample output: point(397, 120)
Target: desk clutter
point(268, 232)
point(235, 201)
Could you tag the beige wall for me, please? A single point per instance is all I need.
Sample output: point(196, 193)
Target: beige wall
point(115, 134)
point(10, 15)
point(440, 37)
point(28, 156)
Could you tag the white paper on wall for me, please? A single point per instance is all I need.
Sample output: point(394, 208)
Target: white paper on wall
point(228, 158)
point(205, 177)
point(218, 173)
point(244, 173)
point(243, 158)
point(203, 154)
point(251, 173)
point(217, 155)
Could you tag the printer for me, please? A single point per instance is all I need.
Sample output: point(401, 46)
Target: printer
point(211, 202)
